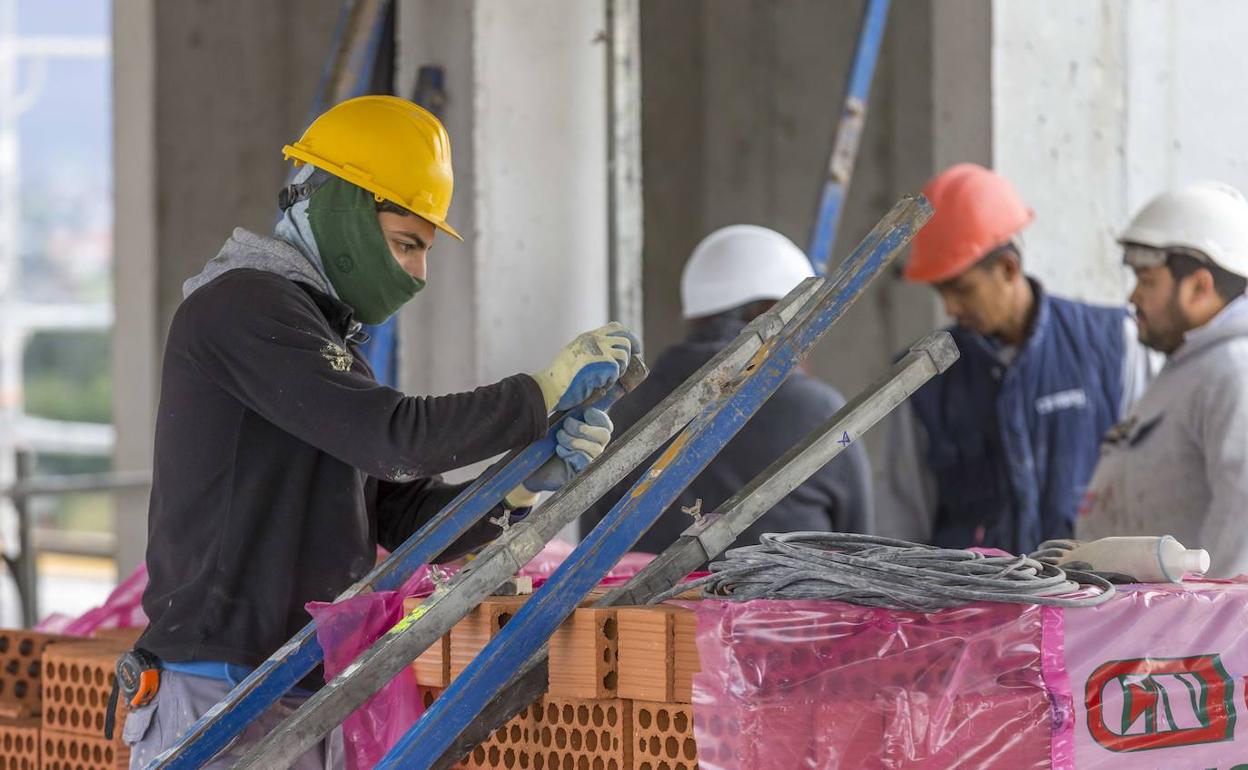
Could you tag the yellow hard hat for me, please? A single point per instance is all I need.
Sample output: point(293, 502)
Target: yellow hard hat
point(389, 146)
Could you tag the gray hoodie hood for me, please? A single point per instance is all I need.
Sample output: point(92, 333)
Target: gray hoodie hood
point(1231, 322)
point(290, 253)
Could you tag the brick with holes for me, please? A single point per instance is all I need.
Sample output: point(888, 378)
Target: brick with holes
point(126, 636)
point(433, 666)
point(508, 747)
point(663, 736)
point(74, 751)
point(478, 627)
point(584, 655)
point(583, 733)
point(657, 653)
point(20, 672)
point(77, 681)
point(19, 744)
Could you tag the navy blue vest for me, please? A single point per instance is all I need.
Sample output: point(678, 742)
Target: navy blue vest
point(1012, 447)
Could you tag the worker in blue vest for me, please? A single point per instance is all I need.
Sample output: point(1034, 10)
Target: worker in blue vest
point(998, 450)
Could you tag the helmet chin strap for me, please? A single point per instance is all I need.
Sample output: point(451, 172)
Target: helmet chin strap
point(300, 191)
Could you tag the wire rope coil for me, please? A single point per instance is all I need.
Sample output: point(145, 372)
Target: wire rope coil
point(891, 574)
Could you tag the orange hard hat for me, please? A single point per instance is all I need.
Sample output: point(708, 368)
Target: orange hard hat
point(976, 211)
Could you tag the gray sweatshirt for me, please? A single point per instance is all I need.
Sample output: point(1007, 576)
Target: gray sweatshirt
point(1178, 464)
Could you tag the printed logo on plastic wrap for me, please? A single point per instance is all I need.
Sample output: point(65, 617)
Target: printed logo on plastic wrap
point(1160, 703)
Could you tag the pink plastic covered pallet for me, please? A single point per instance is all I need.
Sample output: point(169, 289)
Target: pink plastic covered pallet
point(1154, 678)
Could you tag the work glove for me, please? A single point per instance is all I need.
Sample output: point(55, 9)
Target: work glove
point(580, 438)
point(593, 360)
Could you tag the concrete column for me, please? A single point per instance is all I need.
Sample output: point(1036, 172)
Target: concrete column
point(1098, 108)
point(526, 87)
point(1060, 119)
point(673, 121)
point(961, 82)
point(526, 111)
point(136, 342)
point(740, 104)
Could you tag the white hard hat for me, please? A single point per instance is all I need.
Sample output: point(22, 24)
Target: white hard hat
point(1208, 217)
point(739, 264)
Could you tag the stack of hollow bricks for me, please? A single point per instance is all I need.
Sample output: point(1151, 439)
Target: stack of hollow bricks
point(53, 700)
point(619, 692)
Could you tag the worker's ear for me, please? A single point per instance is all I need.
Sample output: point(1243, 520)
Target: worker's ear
point(1192, 290)
point(1010, 264)
point(1200, 286)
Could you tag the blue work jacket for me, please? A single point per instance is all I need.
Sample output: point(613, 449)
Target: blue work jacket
point(1012, 444)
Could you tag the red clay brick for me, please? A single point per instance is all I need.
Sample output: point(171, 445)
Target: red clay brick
point(478, 627)
point(19, 744)
point(508, 748)
point(584, 655)
point(663, 736)
point(579, 732)
point(126, 636)
point(71, 751)
point(77, 680)
point(658, 653)
point(20, 673)
point(685, 659)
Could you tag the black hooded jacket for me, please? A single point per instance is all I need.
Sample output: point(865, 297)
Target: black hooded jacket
point(280, 465)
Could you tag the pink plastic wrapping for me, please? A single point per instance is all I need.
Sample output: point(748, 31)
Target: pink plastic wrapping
point(794, 684)
point(1159, 677)
point(122, 609)
point(346, 629)
point(1155, 678)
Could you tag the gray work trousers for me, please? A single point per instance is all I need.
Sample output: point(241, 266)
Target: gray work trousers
point(182, 699)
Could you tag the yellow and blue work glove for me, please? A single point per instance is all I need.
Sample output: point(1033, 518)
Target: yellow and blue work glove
point(593, 360)
point(580, 438)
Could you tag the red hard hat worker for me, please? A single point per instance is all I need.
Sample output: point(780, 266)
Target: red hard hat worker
point(969, 251)
point(997, 450)
point(977, 211)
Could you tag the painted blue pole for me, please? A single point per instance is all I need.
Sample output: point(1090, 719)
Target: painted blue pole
point(848, 134)
point(629, 518)
point(382, 351)
point(296, 659)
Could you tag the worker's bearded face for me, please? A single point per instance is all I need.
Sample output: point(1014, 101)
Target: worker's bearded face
point(979, 299)
point(1158, 301)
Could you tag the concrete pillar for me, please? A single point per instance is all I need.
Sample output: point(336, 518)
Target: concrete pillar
point(205, 96)
point(740, 103)
point(136, 342)
point(961, 82)
point(672, 125)
point(1059, 122)
point(1099, 108)
point(526, 111)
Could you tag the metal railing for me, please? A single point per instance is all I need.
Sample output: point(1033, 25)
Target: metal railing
point(24, 566)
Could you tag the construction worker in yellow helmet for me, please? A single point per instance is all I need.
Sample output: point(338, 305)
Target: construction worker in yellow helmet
point(280, 463)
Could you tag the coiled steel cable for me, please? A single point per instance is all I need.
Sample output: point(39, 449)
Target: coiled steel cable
point(891, 574)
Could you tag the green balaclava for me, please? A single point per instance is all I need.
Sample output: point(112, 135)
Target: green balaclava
point(354, 252)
